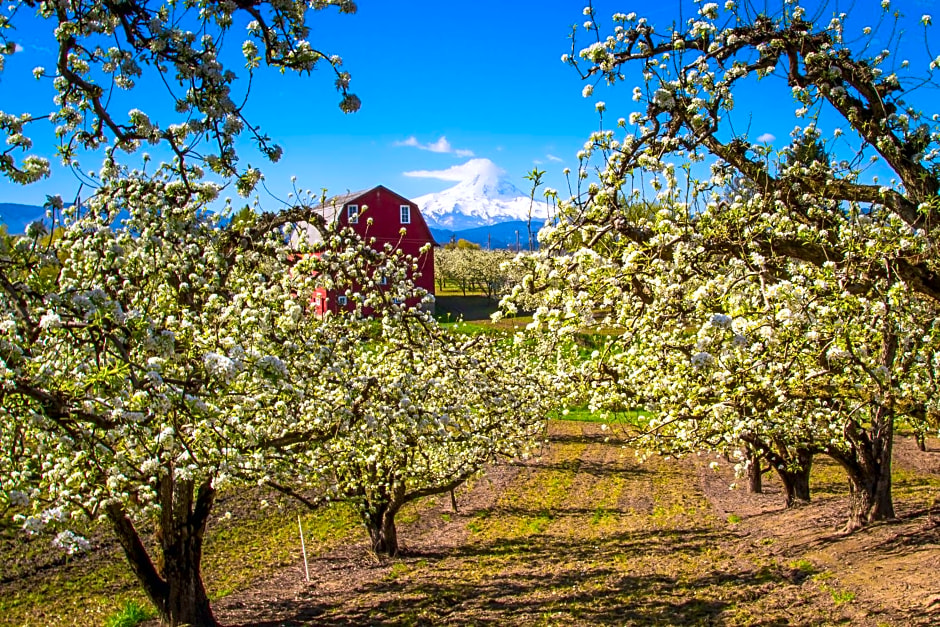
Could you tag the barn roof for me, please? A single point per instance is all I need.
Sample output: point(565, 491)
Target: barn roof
point(330, 209)
point(340, 200)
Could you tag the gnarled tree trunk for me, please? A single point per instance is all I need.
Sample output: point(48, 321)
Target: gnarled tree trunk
point(791, 463)
point(380, 521)
point(868, 465)
point(922, 419)
point(174, 584)
point(382, 532)
point(795, 477)
point(752, 468)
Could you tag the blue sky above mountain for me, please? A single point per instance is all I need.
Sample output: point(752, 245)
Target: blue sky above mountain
point(440, 83)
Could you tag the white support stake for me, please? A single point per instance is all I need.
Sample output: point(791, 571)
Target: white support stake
point(303, 547)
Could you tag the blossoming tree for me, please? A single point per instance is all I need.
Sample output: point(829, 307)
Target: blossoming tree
point(151, 356)
point(862, 250)
point(104, 50)
point(474, 269)
point(426, 410)
point(147, 366)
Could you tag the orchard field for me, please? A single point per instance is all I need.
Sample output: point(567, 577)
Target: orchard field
point(715, 306)
point(581, 534)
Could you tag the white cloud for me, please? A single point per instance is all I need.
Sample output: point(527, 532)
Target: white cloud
point(17, 48)
point(483, 168)
point(440, 146)
point(411, 141)
point(766, 138)
point(554, 158)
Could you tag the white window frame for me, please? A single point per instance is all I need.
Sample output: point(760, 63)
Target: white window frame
point(352, 213)
point(404, 214)
point(341, 301)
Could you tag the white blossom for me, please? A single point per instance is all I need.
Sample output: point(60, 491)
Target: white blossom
point(71, 543)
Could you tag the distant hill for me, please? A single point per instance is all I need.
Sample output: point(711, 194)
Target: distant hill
point(513, 234)
point(17, 217)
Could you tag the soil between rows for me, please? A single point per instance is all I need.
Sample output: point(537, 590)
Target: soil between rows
point(585, 535)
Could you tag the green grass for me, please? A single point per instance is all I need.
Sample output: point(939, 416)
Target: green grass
point(914, 486)
point(477, 327)
point(538, 523)
point(261, 546)
point(581, 534)
point(582, 414)
point(237, 553)
point(829, 479)
point(840, 597)
point(478, 524)
point(804, 566)
point(601, 516)
point(131, 613)
point(398, 569)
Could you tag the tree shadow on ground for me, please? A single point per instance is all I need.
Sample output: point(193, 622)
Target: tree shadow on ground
point(601, 437)
point(548, 578)
point(592, 468)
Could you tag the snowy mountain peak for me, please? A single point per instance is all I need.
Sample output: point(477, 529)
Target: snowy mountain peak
point(482, 196)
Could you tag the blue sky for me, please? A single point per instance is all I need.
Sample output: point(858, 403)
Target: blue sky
point(440, 83)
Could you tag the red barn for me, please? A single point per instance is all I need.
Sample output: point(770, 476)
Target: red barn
point(380, 213)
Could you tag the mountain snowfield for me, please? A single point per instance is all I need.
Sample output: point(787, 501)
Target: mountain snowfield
point(482, 197)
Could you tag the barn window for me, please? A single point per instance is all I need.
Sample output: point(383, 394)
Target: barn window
point(406, 214)
point(352, 211)
point(341, 301)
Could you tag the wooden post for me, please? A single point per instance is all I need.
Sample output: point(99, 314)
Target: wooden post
point(303, 548)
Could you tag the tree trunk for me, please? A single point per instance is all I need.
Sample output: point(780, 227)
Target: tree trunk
point(868, 466)
point(792, 464)
point(380, 520)
point(382, 531)
point(752, 466)
point(870, 498)
point(174, 584)
point(187, 602)
point(921, 419)
point(795, 479)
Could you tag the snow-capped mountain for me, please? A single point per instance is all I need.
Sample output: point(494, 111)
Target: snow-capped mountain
point(482, 197)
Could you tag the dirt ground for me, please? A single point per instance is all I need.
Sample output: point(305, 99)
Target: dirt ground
point(586, 535)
